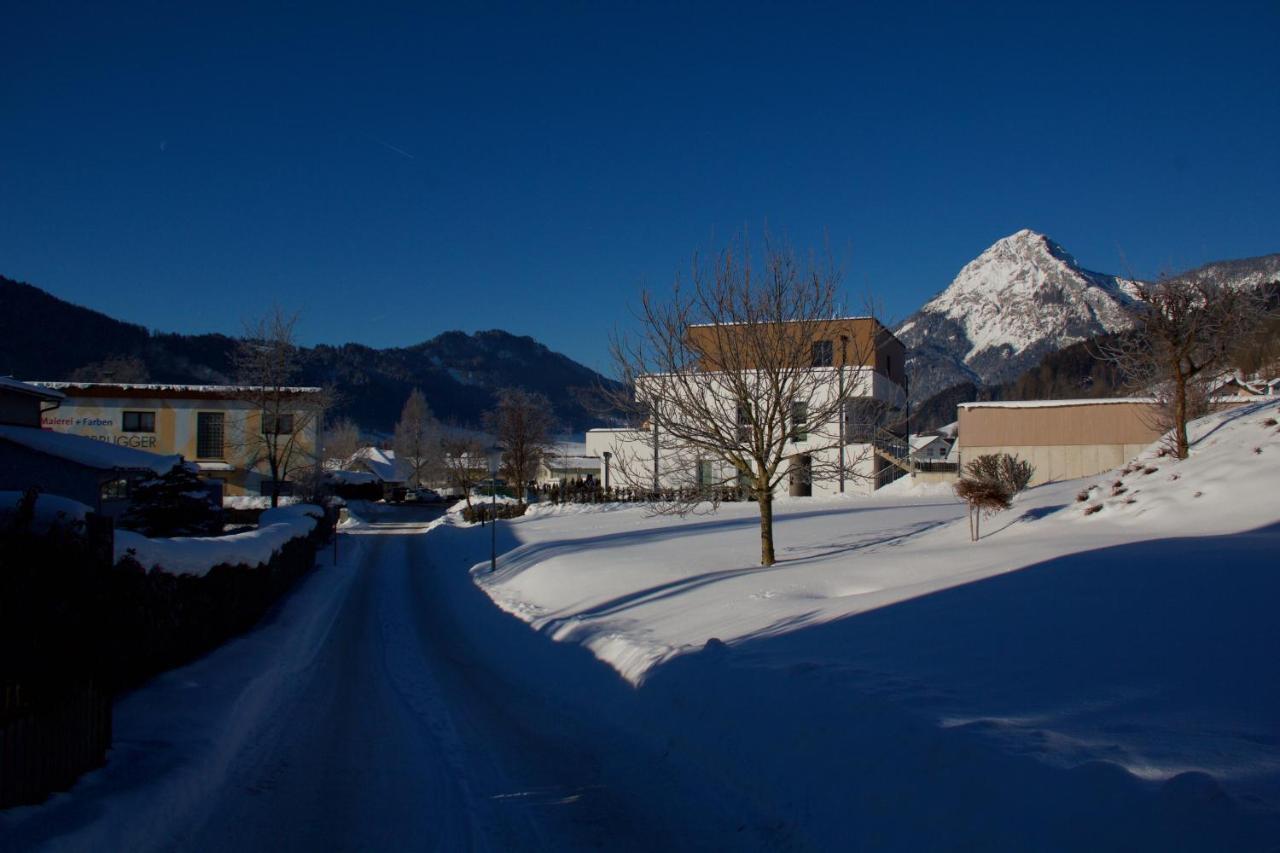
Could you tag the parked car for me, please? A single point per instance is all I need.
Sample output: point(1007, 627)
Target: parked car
point(422, 495)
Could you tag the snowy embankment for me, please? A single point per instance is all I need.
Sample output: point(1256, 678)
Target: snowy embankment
point(890, 679)
point(196, 555)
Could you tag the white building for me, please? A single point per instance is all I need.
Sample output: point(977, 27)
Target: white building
point(873, 377)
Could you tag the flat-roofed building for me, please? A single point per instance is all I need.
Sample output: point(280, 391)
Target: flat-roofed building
point(855, 359)
point(217, 427)
point(1063, 439)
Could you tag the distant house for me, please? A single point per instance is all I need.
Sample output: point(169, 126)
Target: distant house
point(567, 463)
point(376, 464)
point(930, 447)
point(1239, 386)
point(98, 474)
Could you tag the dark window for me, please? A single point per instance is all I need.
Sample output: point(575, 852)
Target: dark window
point(139, 422)
point(209, 434)
point(744, 422)
point(115, 490)
point(799, 421)
point(822, 353)
point(277, 425)
point(704, 473)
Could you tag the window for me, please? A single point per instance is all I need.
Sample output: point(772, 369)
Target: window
point(822, 354)
point(799, 421)
point(115, 490)
point(704, 473)
point(139, 422)
point(744, 422)
point(209, 432)
point(281, 424)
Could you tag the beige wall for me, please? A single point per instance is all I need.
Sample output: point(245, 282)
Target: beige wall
point(101, 418)
point(1061, 461)
point(1079, 424)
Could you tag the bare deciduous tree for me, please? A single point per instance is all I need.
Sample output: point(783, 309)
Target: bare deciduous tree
point(342, 442)
point(266, 364)
point(522, 422)
point(1184, 332)
point(417, 439)
point(463, 458)
point(730, 372)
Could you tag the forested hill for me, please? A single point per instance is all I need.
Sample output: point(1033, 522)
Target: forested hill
point(44, 337)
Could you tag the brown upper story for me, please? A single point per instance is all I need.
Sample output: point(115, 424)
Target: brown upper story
point(841, 342)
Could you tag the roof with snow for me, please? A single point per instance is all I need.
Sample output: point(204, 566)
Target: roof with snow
point(145, 389)
point(584, 462)
point(8, 383)
point(1049, 404)
point(381, 463)
point(89, 452)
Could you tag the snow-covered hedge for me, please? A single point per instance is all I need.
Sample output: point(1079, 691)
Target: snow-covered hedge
point(196, 555)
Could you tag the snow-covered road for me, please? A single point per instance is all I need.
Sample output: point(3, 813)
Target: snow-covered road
point(357, 718)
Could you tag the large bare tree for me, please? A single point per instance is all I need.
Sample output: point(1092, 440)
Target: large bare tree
point(522, 422)
point(733, 372)
point(266, 364)
point(1185, 330)
point(342, 442)
point(417, 439)
point(463, 460)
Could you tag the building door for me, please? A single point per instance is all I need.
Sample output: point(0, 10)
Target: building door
point(800, 476)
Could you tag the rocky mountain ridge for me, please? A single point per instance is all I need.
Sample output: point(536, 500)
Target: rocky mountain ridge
point(1021, 299)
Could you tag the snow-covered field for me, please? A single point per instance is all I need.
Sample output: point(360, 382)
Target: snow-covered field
point(1081, 680)
point(1117, 632)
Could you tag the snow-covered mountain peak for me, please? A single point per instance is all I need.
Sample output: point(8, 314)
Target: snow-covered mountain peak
point(1023, 296)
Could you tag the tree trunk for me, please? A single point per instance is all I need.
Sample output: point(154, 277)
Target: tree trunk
point(1180, 418)
point(765, 498)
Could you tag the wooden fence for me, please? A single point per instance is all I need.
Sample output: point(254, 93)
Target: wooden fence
point(74, 628)
point(49, 736)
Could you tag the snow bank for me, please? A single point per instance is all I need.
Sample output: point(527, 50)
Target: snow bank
point(196, 555)
point(1138, 635)
point(49, 510)
point(88, 451)
point(255, 501)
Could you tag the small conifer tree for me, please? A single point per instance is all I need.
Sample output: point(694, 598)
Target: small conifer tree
point(173, 504)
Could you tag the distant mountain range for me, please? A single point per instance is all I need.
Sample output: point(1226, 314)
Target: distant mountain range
point(43, 337)
point(1003, 329)
point(1022, 299)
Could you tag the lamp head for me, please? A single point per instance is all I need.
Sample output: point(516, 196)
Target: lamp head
point(494, 457)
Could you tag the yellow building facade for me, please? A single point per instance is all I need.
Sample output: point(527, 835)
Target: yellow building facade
point(217, 427)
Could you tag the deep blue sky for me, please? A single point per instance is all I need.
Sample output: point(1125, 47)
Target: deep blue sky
point(396, 172)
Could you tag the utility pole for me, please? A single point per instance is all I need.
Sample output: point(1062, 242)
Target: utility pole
point(844, 344)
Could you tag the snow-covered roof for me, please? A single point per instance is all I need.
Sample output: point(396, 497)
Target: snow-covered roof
point(1090, 401)
point(585, 462)
point(352, 478)
point(381, 463)
point(88, 452)
point(919, 441)
point(11, 384)
point(1050, 404)
point(151, 389)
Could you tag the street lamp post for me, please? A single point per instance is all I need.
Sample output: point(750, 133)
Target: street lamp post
point(494, 455)
point(607, 456)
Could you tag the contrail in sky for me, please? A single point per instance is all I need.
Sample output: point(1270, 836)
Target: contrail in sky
point(395, 149)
